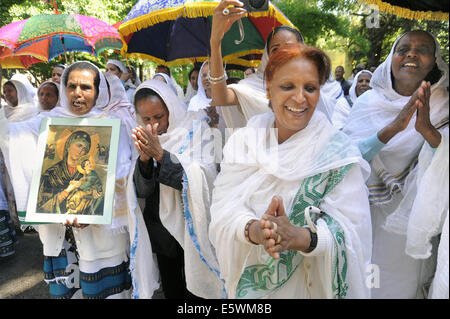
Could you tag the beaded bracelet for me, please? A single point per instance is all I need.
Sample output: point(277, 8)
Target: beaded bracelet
point(247, 231)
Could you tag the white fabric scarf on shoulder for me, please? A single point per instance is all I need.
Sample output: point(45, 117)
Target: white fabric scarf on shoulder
point(268, 168)
point(25, 108)
point(185, 214)
point(24, 135)
point(378, 107)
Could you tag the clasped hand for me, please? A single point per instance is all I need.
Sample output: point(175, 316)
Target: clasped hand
point(147, 143)
point(277, 234)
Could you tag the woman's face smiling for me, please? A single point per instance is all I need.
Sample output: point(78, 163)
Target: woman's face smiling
point(281, 38)
point(412, 60)
point(293, 97)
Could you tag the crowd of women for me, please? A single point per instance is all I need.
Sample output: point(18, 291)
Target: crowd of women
point(309, 195)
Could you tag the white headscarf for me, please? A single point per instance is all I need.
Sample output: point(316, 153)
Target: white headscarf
point(352, 90)
point(25, 108)
point(119, 64)
point(57, 88)
point(200, 100)
point(168, 81)
point(185, 214)
point(332, 88)
point(393, 168)
point(24, 135)
point(247, 182)
point(24, 80)
point(190, 92)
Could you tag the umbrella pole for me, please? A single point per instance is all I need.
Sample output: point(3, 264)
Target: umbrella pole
point(64, 48)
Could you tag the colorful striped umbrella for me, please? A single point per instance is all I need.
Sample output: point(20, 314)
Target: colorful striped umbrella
point(10, 61)
point(46, 36)
point(414, 9)
point(175, 32)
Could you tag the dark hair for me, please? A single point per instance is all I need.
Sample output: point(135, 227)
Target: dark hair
point(435, 74)
point(196, 68)
point(143, 94)
point(52, 84)
point(83, 65)
point(283, 28)
point(164, 67)
point(296, 50)
point(11, 84)
point(62, 66)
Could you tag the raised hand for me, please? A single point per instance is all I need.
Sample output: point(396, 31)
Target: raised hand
point(423, 122)
point(222, 21)
point(401, 121)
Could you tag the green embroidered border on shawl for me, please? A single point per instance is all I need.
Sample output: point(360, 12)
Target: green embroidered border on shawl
point(260, 280)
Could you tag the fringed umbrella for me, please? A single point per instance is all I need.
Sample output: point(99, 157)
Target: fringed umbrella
point(176, 32)
point(46, 36)
point(414, 9)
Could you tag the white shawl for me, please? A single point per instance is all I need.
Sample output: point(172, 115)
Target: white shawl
point(25, 108)
point(185, 214)
point(352, 90)
point(57, 88)
point(255, 168)
point(127, 215)
point(378, 107)
point(342, 108)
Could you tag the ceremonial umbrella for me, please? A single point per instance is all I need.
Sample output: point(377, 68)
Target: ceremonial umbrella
point(46, 36)
point(10, 61)
point(176, 32)
point(414, 9)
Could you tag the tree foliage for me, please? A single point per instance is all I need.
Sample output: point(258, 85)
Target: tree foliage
point(345, 25)
point(329, 24)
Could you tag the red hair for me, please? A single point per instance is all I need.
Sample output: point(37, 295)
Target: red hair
point(289, 52)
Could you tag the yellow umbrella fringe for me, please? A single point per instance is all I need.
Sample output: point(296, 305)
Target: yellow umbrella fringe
point(189, 10)
point(182, 61)
point(408, 13)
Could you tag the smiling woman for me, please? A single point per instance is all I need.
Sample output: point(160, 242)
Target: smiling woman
point(404, 115)
point(259, 205)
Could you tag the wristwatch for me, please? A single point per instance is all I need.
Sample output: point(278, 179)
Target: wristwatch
point(313, 243)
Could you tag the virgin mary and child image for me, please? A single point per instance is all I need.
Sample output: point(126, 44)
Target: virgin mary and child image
point(72, 186)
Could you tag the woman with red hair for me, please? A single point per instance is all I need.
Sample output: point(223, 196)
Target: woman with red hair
point(292, 209)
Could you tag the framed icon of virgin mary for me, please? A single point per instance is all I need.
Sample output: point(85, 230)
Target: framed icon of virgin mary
point(75, 171)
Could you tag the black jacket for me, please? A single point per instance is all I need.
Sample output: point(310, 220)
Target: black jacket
point(147, 178)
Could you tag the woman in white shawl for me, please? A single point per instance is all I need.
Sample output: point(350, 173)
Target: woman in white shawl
point(343, 106)
point(202, 100)
point(406, 111)
point(293, 153)
point(173, 137)
point(240, 101)
point(48, 96)
point(85, 251)
point(192, 86)
point(20, 103)
point(20, 107)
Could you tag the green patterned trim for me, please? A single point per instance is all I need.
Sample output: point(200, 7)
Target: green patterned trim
point(260, 280)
